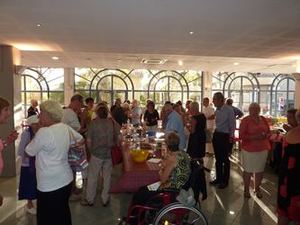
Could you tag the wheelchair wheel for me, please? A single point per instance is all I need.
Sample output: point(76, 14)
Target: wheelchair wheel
point(178, 214)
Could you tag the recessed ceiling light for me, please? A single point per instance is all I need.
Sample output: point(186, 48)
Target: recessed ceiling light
point(191, 32)
point(55, 58)
point(180, 63)
point(154, 61)
point(231, 212)
point(236, 63)
point(38, 24)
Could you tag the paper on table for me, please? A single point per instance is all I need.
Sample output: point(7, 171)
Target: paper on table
point(154, 160)
point(154, 186)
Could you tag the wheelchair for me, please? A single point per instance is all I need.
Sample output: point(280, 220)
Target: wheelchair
point(164, 209)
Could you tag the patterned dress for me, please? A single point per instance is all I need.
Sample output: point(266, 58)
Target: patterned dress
point(180, 174)
point(289, 185)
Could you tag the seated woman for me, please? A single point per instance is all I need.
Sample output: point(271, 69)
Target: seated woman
point(174, 173)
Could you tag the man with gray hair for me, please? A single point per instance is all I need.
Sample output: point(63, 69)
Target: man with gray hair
point(224, 132)
point(70, 115)
point(175, 124)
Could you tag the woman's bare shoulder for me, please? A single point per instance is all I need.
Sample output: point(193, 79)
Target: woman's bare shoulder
point(293, 136)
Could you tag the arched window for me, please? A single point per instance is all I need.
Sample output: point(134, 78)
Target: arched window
point(282, 94)
point(243, 89)
point(140, 84)
point(42, 84)
point(105, 85)
point(175, 85)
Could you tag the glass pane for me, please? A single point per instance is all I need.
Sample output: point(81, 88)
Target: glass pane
point(106, 96)
point(140, 78)
point(291, 85)
point(33, 95)
point(161, 85)
point(32, 84)
point(142, 97)
point(119, 94)
point(282, 86)
point(105, 84)
point(57, 96)
point(235, 85)
point(54, 78)
point(236, 97)
point(195, 96)
point(194, 80)
point(175, 97)
point(175, 85)
point(118, 84)
point(247, 85)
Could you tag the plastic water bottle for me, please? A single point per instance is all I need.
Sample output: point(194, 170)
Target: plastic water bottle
point(78, 180)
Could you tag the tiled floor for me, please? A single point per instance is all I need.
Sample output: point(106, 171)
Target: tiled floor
point(226, 206)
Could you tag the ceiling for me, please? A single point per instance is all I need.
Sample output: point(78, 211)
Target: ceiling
point(258, 35)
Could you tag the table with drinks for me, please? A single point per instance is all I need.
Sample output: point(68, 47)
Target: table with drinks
point(141, 151)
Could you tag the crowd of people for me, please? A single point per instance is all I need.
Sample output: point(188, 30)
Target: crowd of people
point(190, 135)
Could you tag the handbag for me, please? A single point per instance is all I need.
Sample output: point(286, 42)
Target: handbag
point(77, 155)
point(116, 155)
point(116, 151)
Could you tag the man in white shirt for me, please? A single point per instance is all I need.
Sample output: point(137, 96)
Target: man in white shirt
point(209, 113)
point(70, 115)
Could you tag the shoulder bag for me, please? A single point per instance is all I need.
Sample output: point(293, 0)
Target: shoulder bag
point(116, 152)
point(77, 155)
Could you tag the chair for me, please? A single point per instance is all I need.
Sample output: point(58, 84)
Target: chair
point(164, 203)
point(178, 214)
point(144, 214)
point(197, 180)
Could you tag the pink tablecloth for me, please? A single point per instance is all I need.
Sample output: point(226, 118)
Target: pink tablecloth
point(135, 175)
point(132, 181)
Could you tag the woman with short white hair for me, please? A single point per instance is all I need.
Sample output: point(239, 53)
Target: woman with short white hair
point(254, 133)
point(50, 146)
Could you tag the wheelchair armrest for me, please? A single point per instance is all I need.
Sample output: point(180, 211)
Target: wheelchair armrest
point(171, 190)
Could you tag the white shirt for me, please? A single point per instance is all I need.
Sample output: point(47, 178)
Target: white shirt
point(71, 118)
point(50, 145)
point(209, 111)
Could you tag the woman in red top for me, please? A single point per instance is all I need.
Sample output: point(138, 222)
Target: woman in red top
point(254, 133)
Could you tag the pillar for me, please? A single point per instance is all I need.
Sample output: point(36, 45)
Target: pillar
point(207, 84)
point(69, 78)
point(297, 90)
point(9, 59)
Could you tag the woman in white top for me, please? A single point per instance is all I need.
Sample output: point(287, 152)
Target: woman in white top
point(50, 146)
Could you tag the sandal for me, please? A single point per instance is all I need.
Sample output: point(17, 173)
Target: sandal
point(85, 202)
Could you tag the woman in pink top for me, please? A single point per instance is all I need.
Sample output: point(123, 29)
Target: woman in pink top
point(254, 133)
point(4, 115)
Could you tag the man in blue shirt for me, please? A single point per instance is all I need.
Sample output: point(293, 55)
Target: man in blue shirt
point(175, 124)
point(224, 132)
point(237, 112)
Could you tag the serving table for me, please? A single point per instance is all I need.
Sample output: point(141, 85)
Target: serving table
point(135, 175)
